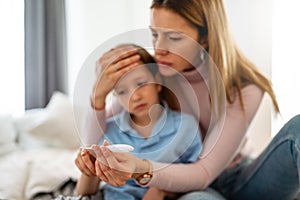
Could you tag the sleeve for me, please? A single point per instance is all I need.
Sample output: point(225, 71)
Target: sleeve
point(95, 122)
point(198, 175)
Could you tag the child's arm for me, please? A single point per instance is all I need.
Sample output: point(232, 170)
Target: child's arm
point(154, 193)
point(87, 185)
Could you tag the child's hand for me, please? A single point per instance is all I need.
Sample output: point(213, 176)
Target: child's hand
point(85, 162)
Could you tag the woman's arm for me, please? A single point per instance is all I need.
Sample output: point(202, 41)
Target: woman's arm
point(198, 175)
point(110, 68)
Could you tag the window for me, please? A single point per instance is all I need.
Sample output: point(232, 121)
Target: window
point(12, 57)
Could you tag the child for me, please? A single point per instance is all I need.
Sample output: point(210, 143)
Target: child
point(147, 124)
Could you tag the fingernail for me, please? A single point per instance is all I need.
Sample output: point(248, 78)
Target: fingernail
point(95, 148)
point(104, 151)
point(105, 143)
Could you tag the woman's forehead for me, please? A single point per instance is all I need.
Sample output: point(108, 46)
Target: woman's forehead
point(165, 18)
point(167, 21)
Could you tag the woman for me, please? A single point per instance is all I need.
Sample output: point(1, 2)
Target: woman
point(225, 164)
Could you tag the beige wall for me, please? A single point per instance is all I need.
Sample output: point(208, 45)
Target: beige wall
point(251, 24)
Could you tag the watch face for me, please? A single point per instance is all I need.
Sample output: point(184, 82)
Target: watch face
point(145, 180)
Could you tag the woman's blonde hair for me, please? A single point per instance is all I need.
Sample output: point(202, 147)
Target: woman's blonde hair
point(235, 69)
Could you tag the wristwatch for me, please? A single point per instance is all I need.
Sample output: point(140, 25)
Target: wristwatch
point(144, 178)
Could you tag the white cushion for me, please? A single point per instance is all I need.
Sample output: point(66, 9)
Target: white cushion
point(22, 125)
point(7, 130)
point(7, 148)
point(49, 168)
point(8, 134)
point(56, 126)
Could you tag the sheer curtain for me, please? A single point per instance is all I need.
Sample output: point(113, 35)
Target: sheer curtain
point(45, 51)
point(12, 57)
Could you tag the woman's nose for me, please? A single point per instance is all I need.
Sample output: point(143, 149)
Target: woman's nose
point(160, 46)
point(160, 51)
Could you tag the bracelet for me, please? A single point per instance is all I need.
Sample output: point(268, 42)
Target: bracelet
point(150, 170)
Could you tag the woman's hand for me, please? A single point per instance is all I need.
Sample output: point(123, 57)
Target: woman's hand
point(110, 68)
point(113, 168)
point(85, 162)
point(117, 168)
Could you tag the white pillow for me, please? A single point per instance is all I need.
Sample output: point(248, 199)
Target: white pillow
point(7, 130)
point(49, 168)
point(57, 125)
point(23, 123)
point(7, 148)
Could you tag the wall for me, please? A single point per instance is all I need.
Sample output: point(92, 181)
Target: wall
point(286, 67)
point(92, 22)
point(251, 24)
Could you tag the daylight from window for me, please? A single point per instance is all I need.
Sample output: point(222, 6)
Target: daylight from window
point(12, 57)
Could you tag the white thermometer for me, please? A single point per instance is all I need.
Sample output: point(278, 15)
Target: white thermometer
point(119, 148)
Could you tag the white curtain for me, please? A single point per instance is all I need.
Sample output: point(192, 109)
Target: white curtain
point(12, 57)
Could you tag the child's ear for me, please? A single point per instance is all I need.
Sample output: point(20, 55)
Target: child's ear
point(158, 87)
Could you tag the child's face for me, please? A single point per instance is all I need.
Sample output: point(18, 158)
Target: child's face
point(137, 91)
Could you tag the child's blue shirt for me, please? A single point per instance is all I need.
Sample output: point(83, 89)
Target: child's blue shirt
point(174, 139)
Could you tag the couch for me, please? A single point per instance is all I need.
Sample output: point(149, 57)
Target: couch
point(38, 148)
